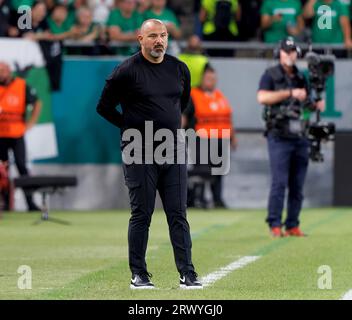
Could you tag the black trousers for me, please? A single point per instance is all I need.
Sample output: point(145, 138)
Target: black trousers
point(143, 180)
point(17, 145)
point(215, 180)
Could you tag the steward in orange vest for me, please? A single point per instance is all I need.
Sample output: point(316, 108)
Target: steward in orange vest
point(212, 111)
point(208, 110)
point(13, 109)
point(210, 115)
point(15, 95)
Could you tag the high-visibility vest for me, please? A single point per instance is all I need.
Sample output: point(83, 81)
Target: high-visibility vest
point(212, 111)
point(12, 109)
point(196, 64)
point(209, 25)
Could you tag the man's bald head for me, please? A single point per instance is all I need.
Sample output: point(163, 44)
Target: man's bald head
point(150, 24)
point(5, 73)
point(153, 38)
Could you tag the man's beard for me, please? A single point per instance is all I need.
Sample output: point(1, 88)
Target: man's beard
point(157, 54)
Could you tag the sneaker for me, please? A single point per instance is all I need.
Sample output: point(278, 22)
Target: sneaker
point(220, 205)
point(141, 281)
point(276, 232)
point(33, 207)
point(294, 232)
point(189, 280)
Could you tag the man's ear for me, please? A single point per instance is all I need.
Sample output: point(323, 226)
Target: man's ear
point(140, 38)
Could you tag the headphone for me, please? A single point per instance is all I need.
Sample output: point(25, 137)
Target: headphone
point(276, 51)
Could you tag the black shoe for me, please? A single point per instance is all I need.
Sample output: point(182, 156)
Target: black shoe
point(141, 281)
point(189, 280)
point(200, 204)
point(33, 207)
point(220, 205)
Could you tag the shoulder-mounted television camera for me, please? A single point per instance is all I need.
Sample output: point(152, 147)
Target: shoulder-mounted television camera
point(320, 67)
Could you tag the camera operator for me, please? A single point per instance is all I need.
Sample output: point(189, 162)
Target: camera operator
point(283, 90)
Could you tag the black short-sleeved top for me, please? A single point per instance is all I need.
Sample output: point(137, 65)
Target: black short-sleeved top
point(267, 81)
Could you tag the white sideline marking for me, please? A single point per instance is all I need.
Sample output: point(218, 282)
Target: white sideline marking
point(347, 295)
point(224, 271)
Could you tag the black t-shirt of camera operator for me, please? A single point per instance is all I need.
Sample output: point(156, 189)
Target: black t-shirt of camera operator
point(296, 81)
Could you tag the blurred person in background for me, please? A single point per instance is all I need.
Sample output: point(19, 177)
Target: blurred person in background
point(209, 110)
point(15, 97)
point(282, 87)
point(219, 20)
point(197, 24)
point(123, 25)
point(280, 19)
point(4, 18)
point(195, 60)
point(50, 5)
point(51, 47)
point(340, 30)
point(39, 28)
point(73, 6)
point(101, 10)
point(249, 23)
point(8, 19)
point(58, 23)
point(14, 5)
point(143, 6)
point(348, 5)
point(85, 31)
point(159, 11)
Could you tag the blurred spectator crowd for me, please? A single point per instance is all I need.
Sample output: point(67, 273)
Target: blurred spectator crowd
point(100, 22)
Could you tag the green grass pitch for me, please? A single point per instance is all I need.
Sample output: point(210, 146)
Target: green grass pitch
point(87, 259)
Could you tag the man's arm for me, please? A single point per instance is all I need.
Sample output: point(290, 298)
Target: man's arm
point(186, 88)
point(35, 103)
point(37, 107)
point(266, 20)
point(188, 116)
point(268, 96)
point(273, 97)
point(233, 138)
point(203, 15)
point(295, 31)
point(308, 10)
point(174, 30)
point(110, 98)
point(346, 29)
point(116, 34)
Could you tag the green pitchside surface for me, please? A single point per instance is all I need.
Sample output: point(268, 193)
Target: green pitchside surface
point(87, 259)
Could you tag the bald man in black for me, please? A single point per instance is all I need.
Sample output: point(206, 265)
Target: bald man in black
point(152, 86)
